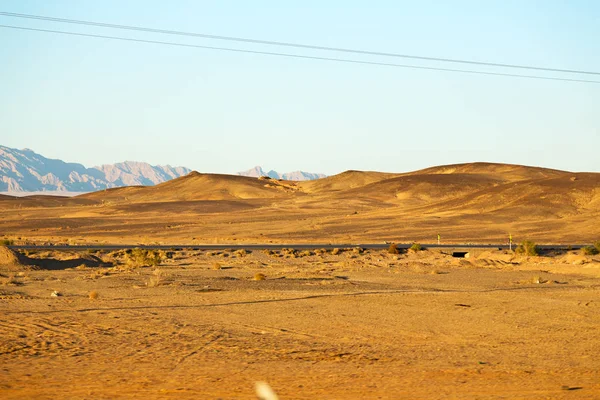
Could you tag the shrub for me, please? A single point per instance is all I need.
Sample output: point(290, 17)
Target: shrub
point(416, 247)
point(335, 251)
point(590, 250)
point(528, 248)
point(93, 295)
point(393, 249)
point(6, 242)
point(144, 258)
point(597, 246)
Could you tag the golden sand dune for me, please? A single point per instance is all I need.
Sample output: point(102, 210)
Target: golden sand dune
point(466, 202)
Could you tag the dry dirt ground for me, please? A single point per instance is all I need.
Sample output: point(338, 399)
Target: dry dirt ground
point(351, 325)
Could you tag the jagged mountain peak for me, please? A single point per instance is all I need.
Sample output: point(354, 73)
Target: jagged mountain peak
point(258, 171)
point(26, 171)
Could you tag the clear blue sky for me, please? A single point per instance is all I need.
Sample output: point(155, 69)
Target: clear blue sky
point(98, 101)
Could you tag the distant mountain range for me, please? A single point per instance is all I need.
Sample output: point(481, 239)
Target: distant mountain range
point(257, 172)
point(26, 171)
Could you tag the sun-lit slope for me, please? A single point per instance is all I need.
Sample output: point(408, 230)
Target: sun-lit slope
point(566, 195)
point(42, 201)
point(505, 172)
point(412, 190)
point(344, 181)
point(197, 186)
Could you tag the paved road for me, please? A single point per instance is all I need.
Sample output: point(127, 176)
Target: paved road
point(371, 246)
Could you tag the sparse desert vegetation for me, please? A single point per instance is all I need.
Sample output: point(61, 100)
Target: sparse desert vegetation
point(528, 248)
point(332, 323)
point(415, 247)
point(393, 249)
point(590, 250)
point(144, 257)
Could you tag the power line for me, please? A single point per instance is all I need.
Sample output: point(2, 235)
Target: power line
point(298, 56)
point(296, 45)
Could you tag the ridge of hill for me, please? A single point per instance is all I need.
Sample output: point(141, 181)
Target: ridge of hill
point(508, 172)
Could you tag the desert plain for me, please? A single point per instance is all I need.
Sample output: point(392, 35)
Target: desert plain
point(338, 323)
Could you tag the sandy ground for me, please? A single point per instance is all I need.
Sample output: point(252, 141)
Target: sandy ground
point(352, 325)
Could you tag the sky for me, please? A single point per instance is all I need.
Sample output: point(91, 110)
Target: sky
point(98, 101)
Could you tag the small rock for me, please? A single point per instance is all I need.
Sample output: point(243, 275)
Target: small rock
point(55, 294)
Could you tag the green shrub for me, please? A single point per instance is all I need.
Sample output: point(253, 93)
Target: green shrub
point(144, 257)
point(528, 248)
point(590, 250)
point(6, 242)
point(597, 246)
point(393, 249)
point(416, 247)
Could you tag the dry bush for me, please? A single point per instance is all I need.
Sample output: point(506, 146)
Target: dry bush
point(528, 248)
point(393, 249)
point(144, 257)
point(93, 295)
point(590, 251)
point(416, 247)
point(358, 250)
point(217, 266)
point(7, 242)
point(259, 277)
point(305, 253)
point(336, 251)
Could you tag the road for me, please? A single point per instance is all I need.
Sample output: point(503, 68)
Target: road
point(329, 246)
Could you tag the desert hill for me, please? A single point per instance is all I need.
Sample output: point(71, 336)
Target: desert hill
point(464, 202)
point(506, 172)
point(197, 186)
point(344, 181)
